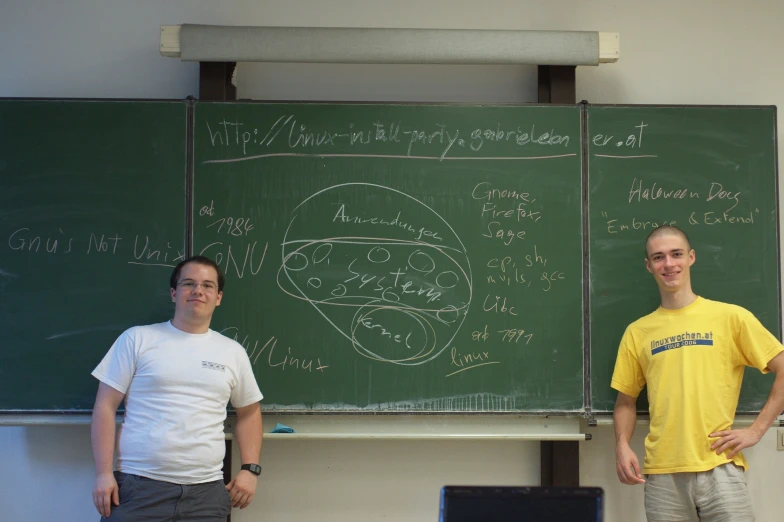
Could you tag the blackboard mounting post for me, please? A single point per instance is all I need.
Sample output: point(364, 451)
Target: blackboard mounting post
point(560, 460)
point(556, 83)
point(215, 85)
point(215, 81)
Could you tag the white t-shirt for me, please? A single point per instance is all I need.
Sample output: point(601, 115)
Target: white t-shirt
point(177, 386)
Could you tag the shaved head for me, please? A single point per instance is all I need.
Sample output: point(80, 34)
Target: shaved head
point(666, 230)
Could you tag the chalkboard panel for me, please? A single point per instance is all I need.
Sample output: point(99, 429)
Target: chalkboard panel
point(710, 171)
point(92, 217)
point(397, 258)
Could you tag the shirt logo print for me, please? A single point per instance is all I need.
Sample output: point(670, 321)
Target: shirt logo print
point(213, 366)
point(679, 341)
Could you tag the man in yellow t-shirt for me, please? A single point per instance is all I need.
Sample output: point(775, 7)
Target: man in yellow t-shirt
point(691, 353)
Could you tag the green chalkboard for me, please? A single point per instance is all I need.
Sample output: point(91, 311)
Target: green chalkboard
point(92, 217)
point(379, 258)
point(397, 257)
point(712, 172)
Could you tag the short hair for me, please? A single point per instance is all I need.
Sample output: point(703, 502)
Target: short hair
point(666, 230)
point(200, 260)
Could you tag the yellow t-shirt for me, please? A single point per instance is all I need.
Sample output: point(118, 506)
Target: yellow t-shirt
point(692, 360)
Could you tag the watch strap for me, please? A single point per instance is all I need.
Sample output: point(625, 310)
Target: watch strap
point(253, 468)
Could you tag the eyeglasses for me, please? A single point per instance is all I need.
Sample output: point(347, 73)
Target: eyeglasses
point(191, 285)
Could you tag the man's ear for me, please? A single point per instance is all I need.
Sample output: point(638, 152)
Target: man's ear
point(218, 301)
point(173, 293)
point(648, 265)
point(692, 257)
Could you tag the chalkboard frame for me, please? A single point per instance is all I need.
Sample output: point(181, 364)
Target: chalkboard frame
point(587, 411)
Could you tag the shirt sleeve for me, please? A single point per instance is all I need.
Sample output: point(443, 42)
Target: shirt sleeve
point(119, 364)
point(628, 377)
point(756, 345)
point(246, 392)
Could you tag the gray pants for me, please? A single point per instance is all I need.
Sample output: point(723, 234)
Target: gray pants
point(155, 501)
point(718, 495)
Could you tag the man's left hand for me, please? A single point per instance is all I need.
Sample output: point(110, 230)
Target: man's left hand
point(242, 488)
point(736, 440)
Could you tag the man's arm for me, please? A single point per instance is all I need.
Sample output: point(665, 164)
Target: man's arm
point(103, 429)
point(624, 418)
point(248, 434)
point(737, 440)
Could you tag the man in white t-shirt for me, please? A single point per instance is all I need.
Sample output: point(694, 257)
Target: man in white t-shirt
point(176, 379)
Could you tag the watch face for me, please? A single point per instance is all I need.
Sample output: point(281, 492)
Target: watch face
point(253, 468)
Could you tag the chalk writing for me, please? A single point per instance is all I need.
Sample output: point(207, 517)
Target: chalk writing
point(716, 218)
point(480, 335)
point(99, 244)
point(520, 212)
point(23, 240)
point(513, 335)
point(632, 140)
point(287, 132)
point(207, 210)
point(342, 217)
point(500, 205)
point(142, 251)
point(506, 236)
point(510, 335)
point(485, 191)
point(505, 271)
point(498, 305)
point(695, 218)
point(469, 361)
point(640, 191)
point(408, 284)
point(234, 226)
point(282, 359)
point(614, 226)
point(223, 254)
point(624, 142)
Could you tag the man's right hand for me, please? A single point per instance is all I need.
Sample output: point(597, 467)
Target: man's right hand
point(105, 494)
point(627, 466)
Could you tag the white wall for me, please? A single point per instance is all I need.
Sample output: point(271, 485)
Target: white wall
point(374, 481)
point(46, 473)
point(702, 51)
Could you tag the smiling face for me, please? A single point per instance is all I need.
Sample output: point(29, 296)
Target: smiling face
point(196, 294)
point(669, 260)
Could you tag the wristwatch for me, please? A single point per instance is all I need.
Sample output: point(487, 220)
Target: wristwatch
point(253, 468)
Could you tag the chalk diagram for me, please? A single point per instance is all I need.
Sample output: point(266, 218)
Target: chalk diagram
point(381, 267)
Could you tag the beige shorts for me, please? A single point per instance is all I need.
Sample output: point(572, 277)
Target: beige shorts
point(718, 495)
